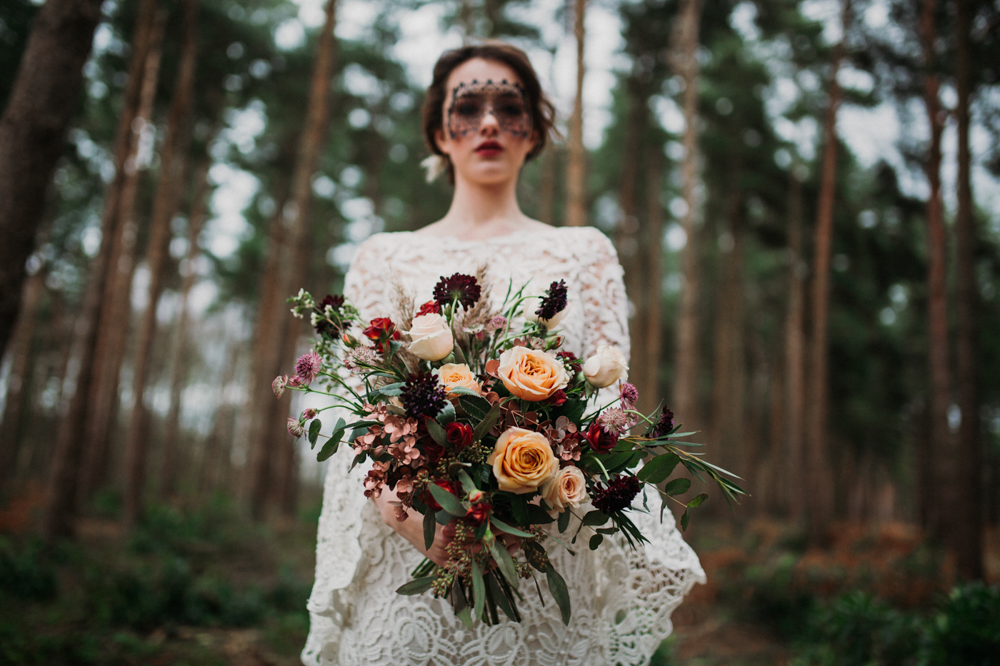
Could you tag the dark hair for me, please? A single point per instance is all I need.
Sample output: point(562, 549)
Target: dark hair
point(542, 111)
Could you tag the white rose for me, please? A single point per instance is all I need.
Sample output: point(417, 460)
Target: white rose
point(568, 488)
point(430, 337)
point(532, 305)
point(605, 367)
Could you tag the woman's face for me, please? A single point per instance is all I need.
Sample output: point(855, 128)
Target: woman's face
point(487, 129)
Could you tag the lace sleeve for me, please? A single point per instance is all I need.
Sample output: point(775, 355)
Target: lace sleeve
point(604, 300)
point(338, 540)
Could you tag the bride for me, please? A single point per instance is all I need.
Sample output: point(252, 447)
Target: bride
point(484, 116)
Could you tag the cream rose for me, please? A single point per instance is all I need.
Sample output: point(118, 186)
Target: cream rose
point(567, 488)
point(458, 374)
point(605, 367)
point(522, 460)
point(430, 337)
point(531, 374)
point(532, 305)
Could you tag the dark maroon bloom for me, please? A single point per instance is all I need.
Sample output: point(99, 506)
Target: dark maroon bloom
point(423, 395)
point(381, 330)
point(433, 451)
point(430, 307)
point(458, 288)
point(324, 325)
point(478, 513)
point(459, 435)
point(554, 301)
point(429, 500)
point(570, 360)
point(617, 495)
point(663, 426)
point(600, 440)
point(557, 398)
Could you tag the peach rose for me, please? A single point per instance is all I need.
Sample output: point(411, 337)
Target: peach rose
point(458, 374)
point(522, 460)
point(567, 488)
point(430, 337)
point(531, 374)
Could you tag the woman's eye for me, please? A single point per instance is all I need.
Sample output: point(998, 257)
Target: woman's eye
point(511, 110)
point(467, 109)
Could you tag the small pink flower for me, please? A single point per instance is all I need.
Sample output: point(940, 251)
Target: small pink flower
point(308, 367)
point(278, 385)
point(496, 323)
point(309, 414)
point(295, 428)
point(629, 395)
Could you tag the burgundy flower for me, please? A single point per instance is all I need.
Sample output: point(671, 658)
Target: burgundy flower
point(617, 495)
point(430, 307)
point(461, 288)
point(324, 326)
point(423, 395)
point(663, 426)
point(478, 513)
point(308, 366)
point(557, 398)
point(381, 330)
point(459, 435)
point(554, 301)
point(600, 440)
point(628, 395)
point(433, 451)
point(428, 498)
point(570, 360)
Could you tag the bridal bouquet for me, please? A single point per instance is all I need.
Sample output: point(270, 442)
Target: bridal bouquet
point(493, 428)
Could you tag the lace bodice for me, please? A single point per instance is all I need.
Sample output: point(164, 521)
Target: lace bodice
point(622, 599)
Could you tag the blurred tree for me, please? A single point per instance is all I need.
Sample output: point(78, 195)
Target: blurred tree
point(576, 165)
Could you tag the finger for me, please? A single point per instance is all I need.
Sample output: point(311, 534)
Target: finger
point(449, 531)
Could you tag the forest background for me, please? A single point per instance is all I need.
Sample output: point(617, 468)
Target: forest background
point(804, 196)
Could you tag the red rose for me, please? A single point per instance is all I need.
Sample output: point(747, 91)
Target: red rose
point(430, 307)
point(458, 435)
point(478, 513)
point(600, 440)
point(428, 498)
point(557, 398)
point(381, 330)
point(570, 360)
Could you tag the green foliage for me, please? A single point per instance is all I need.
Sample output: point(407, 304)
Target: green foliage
point(967, 629)
point(26, 575)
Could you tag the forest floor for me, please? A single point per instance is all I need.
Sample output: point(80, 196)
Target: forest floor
point(203, 587)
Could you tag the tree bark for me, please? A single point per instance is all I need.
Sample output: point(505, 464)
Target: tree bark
point(795, 355)
point(113, 328)
point(65, 477)
point(967, 515)
point(173, 160)
point(44, 98)
point(937, 306)
point(181, 350)
point(649, 390)
point(296, 218)
point(819, 498)
point(576, 167)
point(19, 379)
point(684, 60)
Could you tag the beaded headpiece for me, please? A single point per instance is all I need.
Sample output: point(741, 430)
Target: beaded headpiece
point(504, 100)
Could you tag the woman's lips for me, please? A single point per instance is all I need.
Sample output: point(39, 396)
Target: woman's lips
point(489, 148)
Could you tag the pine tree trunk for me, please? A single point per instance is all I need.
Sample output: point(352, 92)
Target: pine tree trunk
point(547, 187)
point(173, 160)
point(311, 144)
point(115, 319)
point(819, 498)
point(937, 306)
point(65, 474)
point(967, 515)
point(19, 379)
point(684, 49)
point(181, 350)
point(652, 337)
point(795, 356)
point(43, 100)
point(576, 167)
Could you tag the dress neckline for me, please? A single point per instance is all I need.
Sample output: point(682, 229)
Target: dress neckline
point(506, 238)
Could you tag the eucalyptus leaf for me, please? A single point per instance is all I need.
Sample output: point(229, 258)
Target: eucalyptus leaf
point(504, 527)
point(685, 518)
point(467, 484)
point(504, 561)
point(677, 487)
point(478, 589)
point(488, 422)
point(391, 390)
point(314, 429)
point(416, 586)
point(435, 430)
point(697, 501)
point(564, 520)
point(430, 526)
point(448, 502)
point(659, 468)
point(557, 586)
point(595, 518)
point(447, 414)
point(595, 541)
point(331, 445)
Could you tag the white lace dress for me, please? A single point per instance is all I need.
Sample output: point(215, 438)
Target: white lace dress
point(621, 599)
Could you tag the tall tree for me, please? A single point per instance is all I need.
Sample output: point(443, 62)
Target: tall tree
point(32, 129)
point(967, 514)
point(576, 164)
point(173, 160)
point(684, 51)
point(816, 471)
point(795, 351)
point(296, 218)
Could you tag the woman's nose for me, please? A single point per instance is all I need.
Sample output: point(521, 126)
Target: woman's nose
point(489, 121)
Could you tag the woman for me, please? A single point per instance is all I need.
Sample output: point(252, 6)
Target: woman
point(484, 116)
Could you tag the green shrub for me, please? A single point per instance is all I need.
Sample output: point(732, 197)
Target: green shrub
point(967, 629)
point(28, 574)
point(858, 630)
